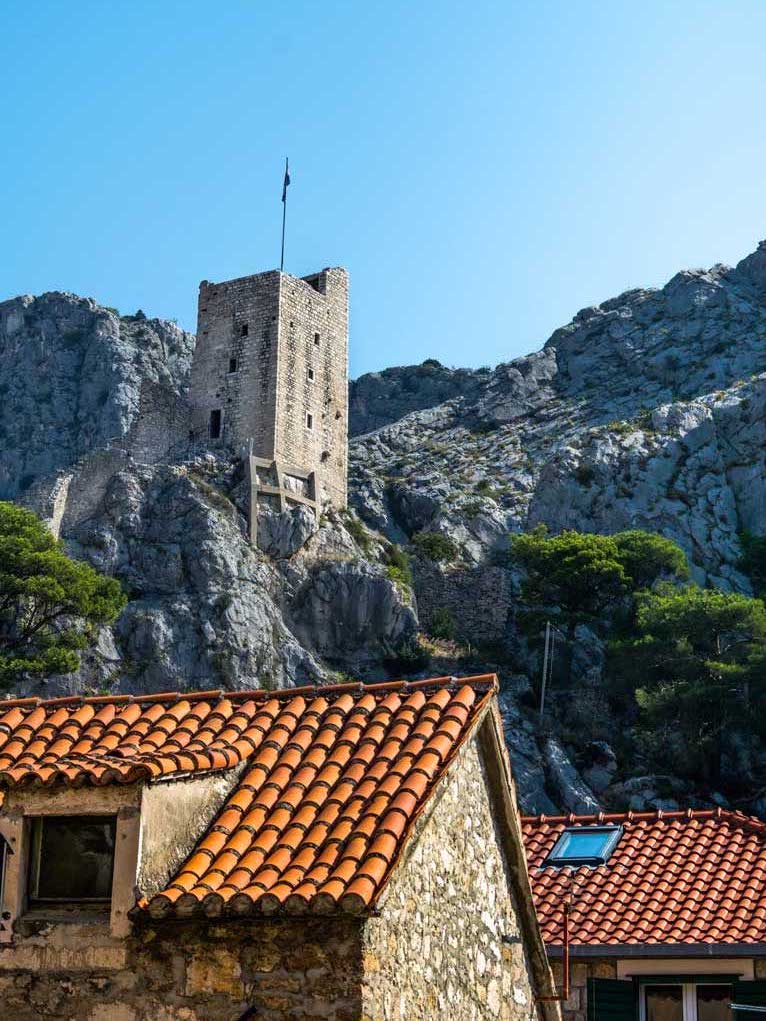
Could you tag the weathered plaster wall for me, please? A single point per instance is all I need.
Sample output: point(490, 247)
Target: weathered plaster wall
point(303, 970)
point(447, 942)
point(173, 815)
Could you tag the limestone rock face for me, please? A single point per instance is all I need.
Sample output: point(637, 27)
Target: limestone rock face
point(282, 534)
point(644, 412)
point(71, 376)
point(647, 411)
point(350, 611)
point(383, 397)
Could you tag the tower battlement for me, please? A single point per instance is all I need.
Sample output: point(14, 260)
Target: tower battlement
point(270, 379)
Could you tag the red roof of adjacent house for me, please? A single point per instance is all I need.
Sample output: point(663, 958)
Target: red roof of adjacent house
point(674, 877)
point(332, 778)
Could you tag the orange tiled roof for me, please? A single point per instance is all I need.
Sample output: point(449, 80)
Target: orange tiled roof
point(674, 877)
point(332, 778)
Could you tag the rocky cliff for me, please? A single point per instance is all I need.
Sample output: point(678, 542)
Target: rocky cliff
point(647, 411)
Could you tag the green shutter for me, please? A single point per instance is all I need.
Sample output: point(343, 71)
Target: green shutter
point(751, 993)
point(611, 999)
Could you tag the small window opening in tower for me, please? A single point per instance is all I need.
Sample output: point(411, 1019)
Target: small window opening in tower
point(316, 339)
point(244, 330)
point(215, 424)
point(309, 420)
point(233, 365)
point(311, 375)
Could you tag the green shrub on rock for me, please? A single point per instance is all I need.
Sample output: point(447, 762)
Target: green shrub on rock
point(435, 546)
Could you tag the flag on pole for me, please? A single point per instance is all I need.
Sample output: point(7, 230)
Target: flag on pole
point(286, 181)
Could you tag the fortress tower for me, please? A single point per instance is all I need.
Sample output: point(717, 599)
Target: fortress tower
point(269, 380)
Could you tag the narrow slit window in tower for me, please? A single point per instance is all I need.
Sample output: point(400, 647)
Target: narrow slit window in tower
point(215, 424)
point(233, 365)
point(309, 420)
point(311, 375)
point(244, 330)
point(316, 339)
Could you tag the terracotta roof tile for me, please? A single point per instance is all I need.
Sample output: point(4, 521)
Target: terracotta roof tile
point(332, 778)
point(674, 877)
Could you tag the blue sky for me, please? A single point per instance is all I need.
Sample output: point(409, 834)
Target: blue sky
point(482, 169)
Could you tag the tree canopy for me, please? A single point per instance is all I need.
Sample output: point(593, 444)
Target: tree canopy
point(584, 573)
point(50, 605)
point(697, 665)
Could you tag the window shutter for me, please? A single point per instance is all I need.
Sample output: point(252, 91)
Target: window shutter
point(751, 993)
point(611, 999)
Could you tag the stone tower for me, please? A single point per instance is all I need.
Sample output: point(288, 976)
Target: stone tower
point(269, 380)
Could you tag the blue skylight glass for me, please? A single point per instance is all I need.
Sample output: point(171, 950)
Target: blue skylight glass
point(584, 845)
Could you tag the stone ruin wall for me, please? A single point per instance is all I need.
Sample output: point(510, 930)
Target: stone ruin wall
point(479, 600)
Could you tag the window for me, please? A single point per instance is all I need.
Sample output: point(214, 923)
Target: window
point(584, 845)
point(232, 365)
point(316, 339)
point(72, 859)
point(688, 1001)
point(244, 330)
point(309, 420)
point(311, 375)
point(215, 424)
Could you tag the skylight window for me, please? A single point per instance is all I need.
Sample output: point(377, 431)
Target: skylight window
point(584, 845)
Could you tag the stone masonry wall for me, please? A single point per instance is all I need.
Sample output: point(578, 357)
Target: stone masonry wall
point(313, 379)
point(576, 1007)
point(303, 970)
point(272, 358)
point(447, 943)
point(246, 395)
point(480, 600)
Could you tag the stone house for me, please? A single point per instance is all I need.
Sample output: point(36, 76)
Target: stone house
point(346, 852)
point(664, 913)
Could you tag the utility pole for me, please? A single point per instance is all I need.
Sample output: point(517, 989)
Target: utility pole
point(550, 647)
point(545, 669)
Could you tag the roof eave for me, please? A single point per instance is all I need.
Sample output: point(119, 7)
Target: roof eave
point(590, 950)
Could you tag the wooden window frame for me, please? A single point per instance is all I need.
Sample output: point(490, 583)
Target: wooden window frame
point(36, 825)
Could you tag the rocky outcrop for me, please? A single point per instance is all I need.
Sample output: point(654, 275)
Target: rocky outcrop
point(71, 380)
point(379, 398)
point(647, 411)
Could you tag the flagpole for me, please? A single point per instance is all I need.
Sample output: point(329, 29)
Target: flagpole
point(284, 213)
